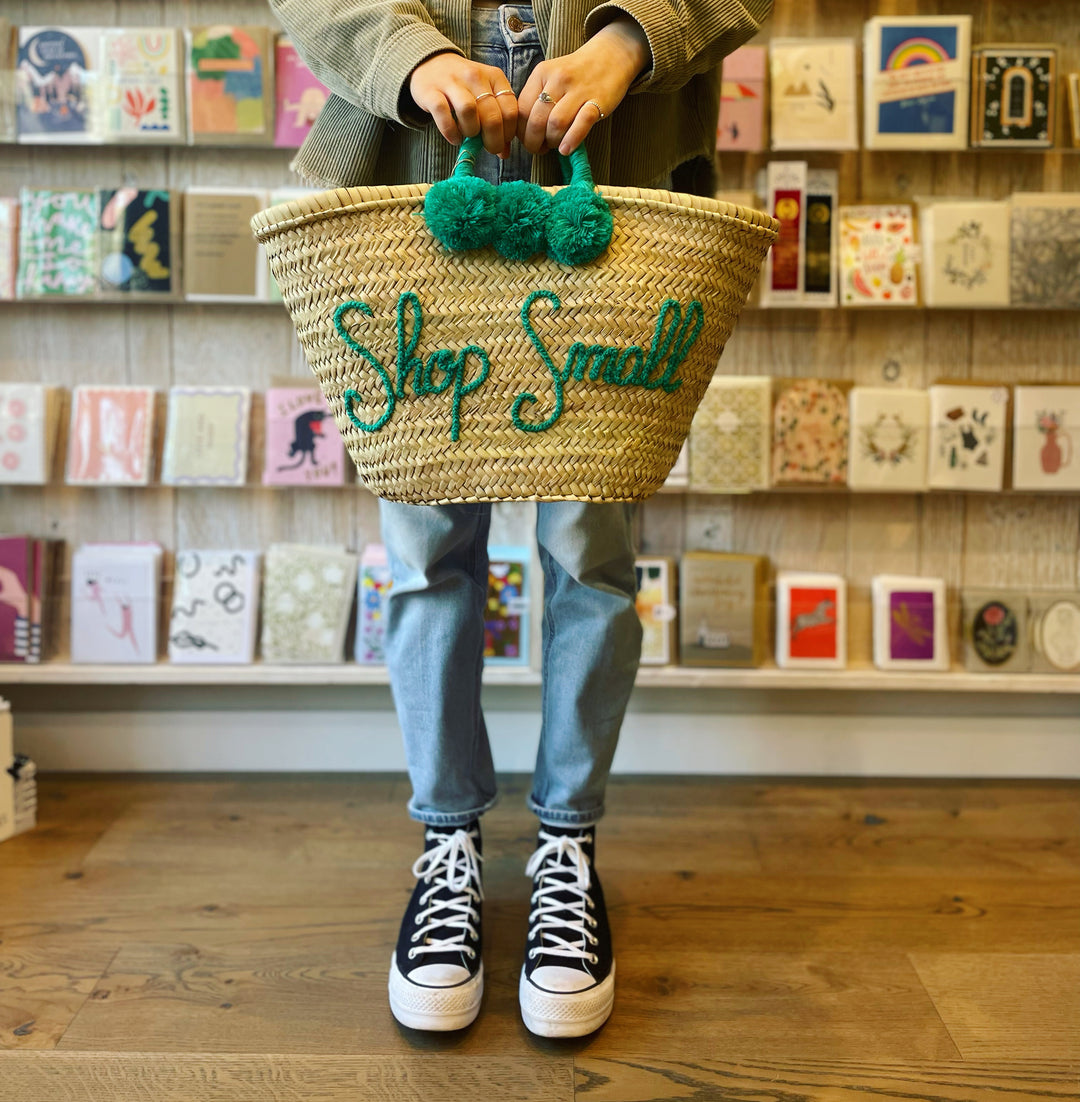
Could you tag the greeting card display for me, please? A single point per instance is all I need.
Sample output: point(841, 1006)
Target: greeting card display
point(215, 607)
point(27, 433)
point(723, 609)
point(890, 431)
point(230, 95)
point(206, 442)
point(114, 602)
point(303, 445)
point(142, 88)
point(506, 617)
point(1055, 632)
point(9, 247)
point(911, 625)
point(299, 96)
point(307, 598)
point(730, 436)
point(877, 256)
point(1046, 430)
point(810, 432)
point(372, 598)
point(741, 125)
point(1045, 235)
point(811, 627)
point(137, 251)
point(995, 631)
point(58, 242)
point(813, 93)
point(111, 436)
point(1013, 93)
point(222, 262)
point(965, 252)
point(56, 84)
point(656, 609)
point(782, 280)
point(917, 74)
point(968, 426)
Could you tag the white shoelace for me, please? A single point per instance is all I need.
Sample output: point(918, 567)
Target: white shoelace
point(453, 864)
point(550, 914)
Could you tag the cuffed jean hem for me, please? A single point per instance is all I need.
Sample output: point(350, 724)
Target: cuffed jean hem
point(450, 818)
point(555, 817)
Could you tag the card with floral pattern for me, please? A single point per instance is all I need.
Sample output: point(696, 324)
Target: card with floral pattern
point(810, 432)
point(1046, 434)
point(890, 431)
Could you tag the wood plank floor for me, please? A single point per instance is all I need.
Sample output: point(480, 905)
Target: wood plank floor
point(206, 938)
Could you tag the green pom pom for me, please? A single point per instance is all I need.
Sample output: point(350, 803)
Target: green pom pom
point(460, 212)
point(521, 215)
point(579, 226)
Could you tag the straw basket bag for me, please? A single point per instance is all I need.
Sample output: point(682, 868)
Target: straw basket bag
point(464, 376)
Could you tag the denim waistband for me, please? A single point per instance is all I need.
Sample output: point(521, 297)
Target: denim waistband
point(506, 26)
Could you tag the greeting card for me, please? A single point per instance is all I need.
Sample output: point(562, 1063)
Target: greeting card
point(136, 244)
point(299, 96)
point(9, 246)
point(783, 275)
point(47, 562)
point(1045, 235)
point(111, 437)
point(965, 252)
point(722, 609)
point(114, 602)
point(741, 125)
point(890, 433)
point(813, 93)
point(215, 607)
point(9, 52)
point(56, 84)
point(58, 242)
point(372, 596)
point(995, 631)
point(1046, 430)
point(27, 423)
point(821, 239)
point(142, 89)
point(1013, 93)
point(810, 432)
point(307, 600)
point(911, 624)
point(230, 97)
point(1055, 632)
point(967, 437)
point(811, 625)
point(303, 445)
point(506, 618)
point(730, 436)
point(206, 442)
point(877, 256)
point(917, 73)
point(656, 609)
point(222, 261)
point(16, 590)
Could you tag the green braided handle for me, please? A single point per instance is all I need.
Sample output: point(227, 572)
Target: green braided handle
point(575, 168)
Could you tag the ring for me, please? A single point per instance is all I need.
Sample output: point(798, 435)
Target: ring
point(597, 106)
point(545, 98)
point(505, 92)
point(482, 94)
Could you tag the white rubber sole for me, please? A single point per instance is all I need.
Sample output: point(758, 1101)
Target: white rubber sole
point(434, 1008)
point(565, 1014)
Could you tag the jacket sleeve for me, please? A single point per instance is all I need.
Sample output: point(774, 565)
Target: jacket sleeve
point(365, 50)
point(686, 37)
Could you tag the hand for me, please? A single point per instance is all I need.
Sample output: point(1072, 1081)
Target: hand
point(602, 70)
point(446, 86)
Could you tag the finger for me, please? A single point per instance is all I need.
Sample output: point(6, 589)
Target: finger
point(561, 117)
point(583, 122)
point(466, 110)
point(536, 128)
point(526, 100)
point(442, 115)
point(508, 105)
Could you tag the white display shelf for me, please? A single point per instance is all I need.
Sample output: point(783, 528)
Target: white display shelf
point(865, 679)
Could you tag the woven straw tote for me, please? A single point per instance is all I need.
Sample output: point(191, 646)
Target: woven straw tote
point(464, 376)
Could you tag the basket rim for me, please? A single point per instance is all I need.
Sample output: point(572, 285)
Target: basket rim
point(308, 209)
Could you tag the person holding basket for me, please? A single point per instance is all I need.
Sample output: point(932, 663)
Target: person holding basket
point(637, 83)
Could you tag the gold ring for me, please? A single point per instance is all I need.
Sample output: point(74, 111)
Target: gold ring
point(545, 98)
point(597, 106)
point(482, 94)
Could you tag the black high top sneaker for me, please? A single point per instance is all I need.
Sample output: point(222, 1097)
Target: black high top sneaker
point(567, 985)
point(436, 974)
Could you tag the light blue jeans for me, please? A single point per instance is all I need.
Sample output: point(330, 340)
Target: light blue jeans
point(591, 634)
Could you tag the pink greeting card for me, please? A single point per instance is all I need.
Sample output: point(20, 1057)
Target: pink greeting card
point(111, 435)
point(303, 445)
point(742, 101)
point(300, 96)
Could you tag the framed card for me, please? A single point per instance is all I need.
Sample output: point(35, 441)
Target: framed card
point(968, 435)
point(810, 432)
point(1046, 433)
point(783, 278)
point(741, 125)
point(730, 436)
point(1055, 632)
point(1013, 95)
point(911, 625)
point(965, 252)
point(722, 609)
point(811, 621)
point(813, 93)
point(995, 631)
point(656, 609)
point(890, 430)
point(878, 256)
point(1045, 247)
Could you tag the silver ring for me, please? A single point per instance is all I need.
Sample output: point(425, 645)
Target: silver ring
point(545, 98)
point(482, 94)
point(598, 107)
point(505, 92)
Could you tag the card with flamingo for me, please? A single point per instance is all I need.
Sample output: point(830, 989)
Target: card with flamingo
point(114, 602)
point(811, 630)
point(142, 84)
point(111, 437)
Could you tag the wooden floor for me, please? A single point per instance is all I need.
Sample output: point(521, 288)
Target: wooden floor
point(224, 938)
